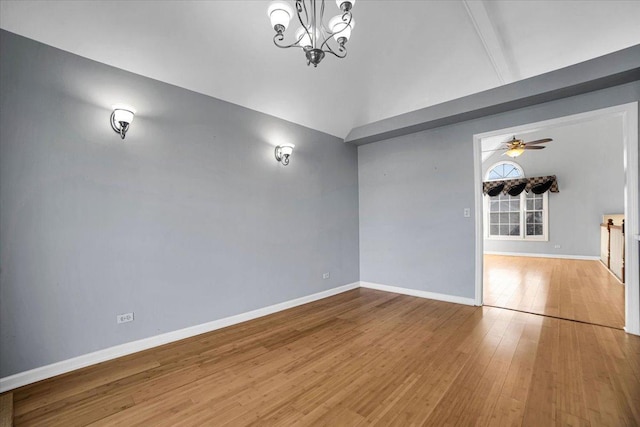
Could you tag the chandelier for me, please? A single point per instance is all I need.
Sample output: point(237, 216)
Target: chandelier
point(313, 36)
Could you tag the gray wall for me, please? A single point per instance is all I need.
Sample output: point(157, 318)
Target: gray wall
point(188, 220)
point(587, 158)
point(413, 190)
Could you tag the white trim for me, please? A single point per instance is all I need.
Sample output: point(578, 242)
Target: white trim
point(23, 378)
point(479, 217)
point(629, 114)
point(418, 293)
point(490, 40)
point(632, 267)
point(532, 255)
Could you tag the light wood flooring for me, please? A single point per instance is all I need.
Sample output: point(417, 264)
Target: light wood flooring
point(6, 409)
point(580, 290)
point(360, 358)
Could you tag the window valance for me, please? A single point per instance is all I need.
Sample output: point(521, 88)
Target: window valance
point(513, 187)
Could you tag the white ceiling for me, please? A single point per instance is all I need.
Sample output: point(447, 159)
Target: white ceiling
point(403, 55)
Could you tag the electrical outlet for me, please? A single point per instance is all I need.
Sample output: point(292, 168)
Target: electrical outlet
point(467, 212)
point(556, 246)
point(124, 318)
point(325, 275)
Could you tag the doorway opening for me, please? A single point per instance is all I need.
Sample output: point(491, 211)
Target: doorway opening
point(540, 253)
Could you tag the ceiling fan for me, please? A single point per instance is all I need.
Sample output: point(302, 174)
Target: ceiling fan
point(515, 147)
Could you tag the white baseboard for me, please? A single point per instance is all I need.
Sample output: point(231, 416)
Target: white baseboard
point(417, 293)
point(561, 256)
point(64, 366)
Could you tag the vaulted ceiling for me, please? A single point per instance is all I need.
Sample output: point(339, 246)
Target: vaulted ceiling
point(403, 55)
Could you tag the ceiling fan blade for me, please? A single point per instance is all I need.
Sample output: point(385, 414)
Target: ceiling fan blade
point(526, 147)
point(497, 149)
point(539, 141)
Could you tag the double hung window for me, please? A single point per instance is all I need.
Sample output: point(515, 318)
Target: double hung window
point(521, 217)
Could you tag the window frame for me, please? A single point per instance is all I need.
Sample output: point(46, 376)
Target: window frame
point(523, 211)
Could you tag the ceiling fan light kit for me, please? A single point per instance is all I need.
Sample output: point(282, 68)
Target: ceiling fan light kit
point(514, 152)
point(515, 147)
point(313, 36)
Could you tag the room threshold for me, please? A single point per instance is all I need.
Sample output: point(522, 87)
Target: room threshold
point(556, 317)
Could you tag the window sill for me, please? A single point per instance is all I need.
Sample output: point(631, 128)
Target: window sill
point(517, 239)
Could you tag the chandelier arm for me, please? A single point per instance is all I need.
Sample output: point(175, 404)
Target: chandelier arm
point(327, 29)
point(306, 15)
point(280, 37)
point(314, 24)
point(331, 33)
point(341, 49)
point(344, 19)
point(304, 8)
point(326, 32)
point(322, 14)
point(326, 43)
point(324, 28)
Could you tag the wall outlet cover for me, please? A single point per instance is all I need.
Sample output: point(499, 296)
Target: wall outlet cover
point(124, 318)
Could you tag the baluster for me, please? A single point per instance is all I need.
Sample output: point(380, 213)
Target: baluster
point(609, 224)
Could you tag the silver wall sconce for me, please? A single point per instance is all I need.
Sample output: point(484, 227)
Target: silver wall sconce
point(121, 119)
point(283, 153)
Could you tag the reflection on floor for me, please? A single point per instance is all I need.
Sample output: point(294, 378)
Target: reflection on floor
point(570, 289)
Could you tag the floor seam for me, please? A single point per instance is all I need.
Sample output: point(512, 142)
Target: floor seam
point(556, 317)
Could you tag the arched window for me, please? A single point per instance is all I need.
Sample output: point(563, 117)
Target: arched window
point(521, 217)
point(504, 170)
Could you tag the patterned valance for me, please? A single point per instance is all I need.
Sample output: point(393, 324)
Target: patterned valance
point(513, 187)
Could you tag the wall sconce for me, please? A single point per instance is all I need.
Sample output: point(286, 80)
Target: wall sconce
point(121, 119)
point(283, 153)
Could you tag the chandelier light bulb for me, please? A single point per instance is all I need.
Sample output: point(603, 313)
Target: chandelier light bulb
point(280, 14)
point(341, 28)
point(303, 36)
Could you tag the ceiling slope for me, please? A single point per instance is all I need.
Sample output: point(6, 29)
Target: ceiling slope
point(403, 55)
point(606, 71)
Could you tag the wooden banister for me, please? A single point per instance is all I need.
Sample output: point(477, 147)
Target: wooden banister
point(614, 263)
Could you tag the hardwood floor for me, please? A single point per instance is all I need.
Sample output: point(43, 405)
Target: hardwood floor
point(6, 409)
point(363, 357)
point(571, 289)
